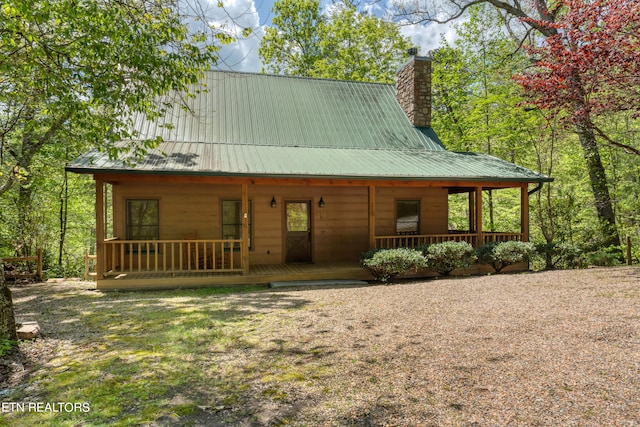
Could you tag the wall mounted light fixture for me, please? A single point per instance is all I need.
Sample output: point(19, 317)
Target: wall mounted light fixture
point(273, 202)
point(321, 202)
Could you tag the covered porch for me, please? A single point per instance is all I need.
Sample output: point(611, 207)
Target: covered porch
point(365, 205)
point(474, 234)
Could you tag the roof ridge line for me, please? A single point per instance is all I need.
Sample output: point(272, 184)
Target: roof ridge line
point(297, 77)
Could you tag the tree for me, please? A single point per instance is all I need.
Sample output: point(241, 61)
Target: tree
point(290, 45)
point(342, 43)
point(69, 69)
point(574, 28)
point(476, 102)
point(359, 46)
point(588, 67)
point(450, 83)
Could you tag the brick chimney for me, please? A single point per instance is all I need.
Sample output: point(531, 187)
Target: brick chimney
point(413, 89)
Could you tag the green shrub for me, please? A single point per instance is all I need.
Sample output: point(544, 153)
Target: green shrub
point(560, 255)
point(502, 254)
point(371, 252)
point(447, 256)
point(604, 257)
point(389, 263)
point(485, 252)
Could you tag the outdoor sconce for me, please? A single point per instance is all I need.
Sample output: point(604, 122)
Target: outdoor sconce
point(273, 202)
point(321, 202)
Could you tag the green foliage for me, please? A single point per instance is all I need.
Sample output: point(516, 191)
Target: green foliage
point(475, 104)
point(370, 253)
point(605, 257)
point(502, 254)
point(485, 252)
point(77, 73)
point(560, 255)
point(342, 43)
point(389, 263)
point(478, 107)
point(290, 44)
point(73, 266)
point(107, 60)
point(6, 346)
point(68, 69)
point(359, 46)
point(448, 256)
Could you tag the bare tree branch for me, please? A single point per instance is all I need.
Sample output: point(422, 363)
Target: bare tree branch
point(11, 179)
point(428, 17)
point(627, 148)
point(515, 9)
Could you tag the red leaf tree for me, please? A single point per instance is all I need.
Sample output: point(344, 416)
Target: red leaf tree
point(588, 65)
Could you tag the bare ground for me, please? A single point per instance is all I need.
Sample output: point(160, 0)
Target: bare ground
point(538, 349)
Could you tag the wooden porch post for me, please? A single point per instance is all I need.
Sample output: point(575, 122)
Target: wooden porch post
point(478, 230)
point(472, 212)
point(524, 212)
point(100, 255)
point(372, 217)
point(245, 229)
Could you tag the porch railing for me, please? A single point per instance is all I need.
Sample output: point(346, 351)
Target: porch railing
point(156, 256)
point(501, 237)
point(413, 241)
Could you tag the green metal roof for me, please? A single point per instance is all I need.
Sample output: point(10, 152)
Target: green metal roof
point(265, 125)
point(284, 111)
point(244, 160)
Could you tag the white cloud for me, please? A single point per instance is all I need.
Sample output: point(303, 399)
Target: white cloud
point(428, 37)
point(233, 18)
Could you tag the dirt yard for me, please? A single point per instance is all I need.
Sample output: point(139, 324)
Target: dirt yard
point(558, 348)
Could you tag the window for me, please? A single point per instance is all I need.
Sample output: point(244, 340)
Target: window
point(407, 217)
point(143, 220)
point(232, 220)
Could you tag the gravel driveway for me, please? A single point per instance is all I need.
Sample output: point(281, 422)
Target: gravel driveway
point(559, 348)
point(552, 348)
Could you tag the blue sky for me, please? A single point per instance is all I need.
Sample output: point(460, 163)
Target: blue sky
point(243, 54)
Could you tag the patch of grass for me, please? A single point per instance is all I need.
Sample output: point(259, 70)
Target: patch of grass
point(138, 350)
point(275, 394)
point(184, 409)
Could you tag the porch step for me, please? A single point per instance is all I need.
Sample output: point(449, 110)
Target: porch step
point(312, 283)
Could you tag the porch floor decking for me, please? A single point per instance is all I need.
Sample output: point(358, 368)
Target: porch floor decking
point(258, 274)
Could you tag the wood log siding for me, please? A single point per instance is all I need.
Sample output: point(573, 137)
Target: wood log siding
point(342, 230)
point(145, 256)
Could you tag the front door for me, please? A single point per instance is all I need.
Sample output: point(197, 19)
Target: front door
point(298, 231)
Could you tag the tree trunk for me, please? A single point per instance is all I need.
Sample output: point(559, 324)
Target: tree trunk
point(64, 207)
point(7, 317)
point(25, 225)
point(598, 179)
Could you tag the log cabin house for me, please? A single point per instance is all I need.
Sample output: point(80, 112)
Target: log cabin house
point(271, 177)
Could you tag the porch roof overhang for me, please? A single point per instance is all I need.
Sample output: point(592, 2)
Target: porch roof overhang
point(236, 160)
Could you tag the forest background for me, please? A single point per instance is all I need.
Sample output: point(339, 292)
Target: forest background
point(477, 106)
